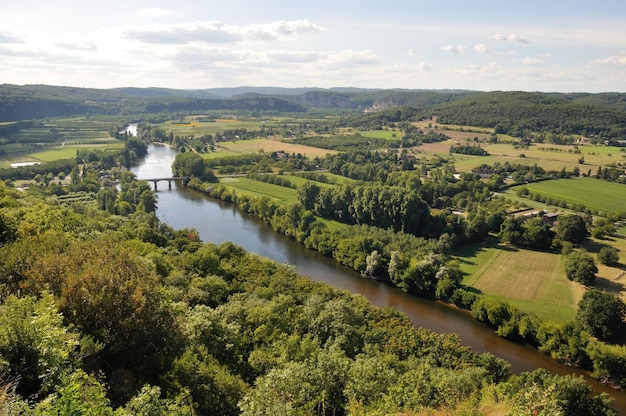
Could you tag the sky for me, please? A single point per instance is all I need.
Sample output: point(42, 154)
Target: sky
point(551, 46)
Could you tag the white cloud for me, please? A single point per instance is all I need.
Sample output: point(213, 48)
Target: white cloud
point(513, 37)
point(294, 56)
point(219, 32)
point(532, 61)
point(482, 49)
point(275, 30)
point(352, 57)
point(210, 32)
point(424, 66)
point(154, 12)
point(87, 46)
point(8, 37)
point(619, 60)
point(460, 49)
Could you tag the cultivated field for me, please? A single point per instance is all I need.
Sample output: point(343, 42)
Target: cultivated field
point(269, 145)
point(547, 156)
point(280, 194)
point(593, 193)
point(532, 281)
point(193, 127)
point(69, 152)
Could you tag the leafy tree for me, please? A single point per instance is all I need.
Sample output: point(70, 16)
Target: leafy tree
point(106, 200)
point(608, 255)
point(35, 343)
point(511, 230)
point(308, 192)
point(572, 228)
point(602, 314)
point(110, 294)
point(580, 267)
point(314, 386)
point(537, 234)
point(148, 402)
point(369, 378)
point(78, 394)
point(75, 175)
point(147, 201)
point(542, 393)
point(8, 230)
point(213, 389)
point(192, 164)
point(609, 362)
point(602, 227)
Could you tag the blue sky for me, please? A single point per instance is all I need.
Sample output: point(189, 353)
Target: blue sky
point(479, 45)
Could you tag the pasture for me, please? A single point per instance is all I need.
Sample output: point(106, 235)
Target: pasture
point(381, 134)
point(549, 157)
point(69, 151)
point(610, 278)
point(270, 145)
point(282, 195)
point(532, 281)
point(196, 127)
point(598, 195)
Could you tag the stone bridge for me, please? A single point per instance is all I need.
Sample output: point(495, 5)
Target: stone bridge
point(183, 179)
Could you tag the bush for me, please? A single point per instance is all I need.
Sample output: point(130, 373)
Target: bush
point(580, 267)
point(608, 256)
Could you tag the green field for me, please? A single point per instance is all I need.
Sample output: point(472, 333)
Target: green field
point(77, 137)
point(69, 152)
point(282, 195)
point(382, 134)
point(549, 157)
point(199, 128)
point(593, 193)
point(332, 179)
point(532, 281)
point(270, 145)
point(220, 152)
point(15, 148)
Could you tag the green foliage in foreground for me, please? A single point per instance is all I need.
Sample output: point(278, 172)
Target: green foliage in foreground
point(113, 324)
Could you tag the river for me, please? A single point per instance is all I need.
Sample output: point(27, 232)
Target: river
point(218, 222)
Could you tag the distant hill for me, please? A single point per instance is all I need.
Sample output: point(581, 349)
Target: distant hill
point(513, 112)
point(166, 93)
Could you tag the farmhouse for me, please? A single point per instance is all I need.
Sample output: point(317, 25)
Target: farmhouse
point(550, 218)
point(483, 172)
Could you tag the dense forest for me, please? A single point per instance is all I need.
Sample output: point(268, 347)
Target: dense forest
point(517, 113)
